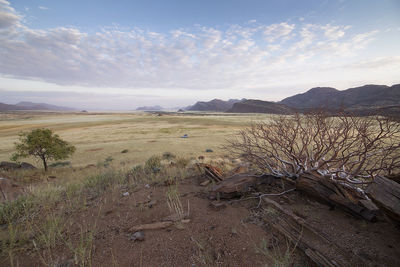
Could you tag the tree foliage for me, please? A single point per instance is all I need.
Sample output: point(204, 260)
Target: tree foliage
point(42, 144)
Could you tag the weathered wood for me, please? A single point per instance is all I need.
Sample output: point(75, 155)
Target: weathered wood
point(239, 184)
point(154, 226)
point(336, 195)
point(316, 245)
point(386, 194)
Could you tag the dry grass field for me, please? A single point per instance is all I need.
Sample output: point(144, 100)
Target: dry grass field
point(101, 135)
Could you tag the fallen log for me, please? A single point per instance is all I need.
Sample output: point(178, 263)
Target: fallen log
point(386, 194)
point(315, 245)
point(337, 195)
point(239, 184)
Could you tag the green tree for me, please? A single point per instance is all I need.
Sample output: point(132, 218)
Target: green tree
point(42, 144)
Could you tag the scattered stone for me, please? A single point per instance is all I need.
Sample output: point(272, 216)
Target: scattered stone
point(147, 186)
point(137, 236)
point(152, 203)
point(125, 194)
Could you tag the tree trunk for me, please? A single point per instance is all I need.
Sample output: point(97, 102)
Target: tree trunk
point(44, 164)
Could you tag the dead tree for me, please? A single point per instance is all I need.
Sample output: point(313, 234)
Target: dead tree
point(332, 158)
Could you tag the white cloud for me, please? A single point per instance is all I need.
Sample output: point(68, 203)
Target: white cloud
point(43, 7)
point(275, 31)
point(199, 59)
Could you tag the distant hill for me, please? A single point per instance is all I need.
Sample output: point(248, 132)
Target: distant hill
point(366, 96)
point(213, 105)
point(150, 108)
point(42, 106)
point(32, 106)
point(259, 106)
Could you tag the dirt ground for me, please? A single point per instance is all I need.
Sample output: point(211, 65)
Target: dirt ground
point(230, 236)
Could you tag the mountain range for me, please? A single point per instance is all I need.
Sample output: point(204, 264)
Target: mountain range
point(363, 100)
point(33, 106)
point(213, 105)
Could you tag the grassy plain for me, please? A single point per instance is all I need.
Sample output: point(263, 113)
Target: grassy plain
point(101, 135)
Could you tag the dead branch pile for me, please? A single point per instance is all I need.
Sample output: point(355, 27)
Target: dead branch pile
point(331, 158)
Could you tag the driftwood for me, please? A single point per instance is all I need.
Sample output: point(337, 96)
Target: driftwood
point(386, 194)
point(316, 245)
point(337, 195)
point(211, 172)
point(154, 226)
point(239, 184)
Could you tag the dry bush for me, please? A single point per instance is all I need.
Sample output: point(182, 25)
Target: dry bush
point(345, 148)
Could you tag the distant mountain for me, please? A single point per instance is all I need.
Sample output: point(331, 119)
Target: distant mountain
point(213, 105)
point(150, 108)
point(32, 106)
point(259, 106)
point(366, 96)
point(42, 106)
point(7, 107)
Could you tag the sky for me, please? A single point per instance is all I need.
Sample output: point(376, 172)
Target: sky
point(118, 55)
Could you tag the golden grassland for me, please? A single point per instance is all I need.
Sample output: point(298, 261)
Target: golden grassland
point(101, 135)
point(34, 221)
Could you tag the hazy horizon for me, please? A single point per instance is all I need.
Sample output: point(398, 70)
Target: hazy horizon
point(119, 56)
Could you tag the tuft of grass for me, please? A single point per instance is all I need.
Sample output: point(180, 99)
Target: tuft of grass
point(17, 209)
point(153, 164)
point(182, 162)
point(124, 151)
point(174, 202)
point(275, 254)
point(98, 184)
point(60, 164)
point(83, 248)
point(168, 155)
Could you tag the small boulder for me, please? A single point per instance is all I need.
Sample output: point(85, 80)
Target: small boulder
point(8, 166)
point(137, 236)
point(27, 166)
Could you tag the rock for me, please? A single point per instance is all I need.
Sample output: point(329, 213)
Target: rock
point(208, 150)
point(125, 194)
point(8, 166)
point(137, 236)
point(27, 166)
point(152, 203)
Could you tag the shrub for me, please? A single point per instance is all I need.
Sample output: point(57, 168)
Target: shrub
point(153, 164)
point(124, 151)
point(182, 162)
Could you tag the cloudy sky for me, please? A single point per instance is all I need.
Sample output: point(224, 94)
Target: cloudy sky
point(102, 54)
